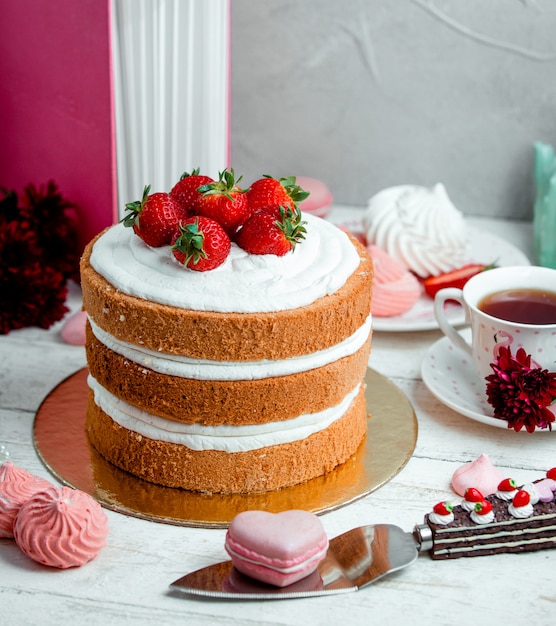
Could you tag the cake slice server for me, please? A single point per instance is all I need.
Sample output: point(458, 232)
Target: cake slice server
point(354, 560)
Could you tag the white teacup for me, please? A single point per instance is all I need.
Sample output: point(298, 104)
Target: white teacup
point(489, 333)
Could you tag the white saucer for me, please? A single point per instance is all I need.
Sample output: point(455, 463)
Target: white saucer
point(484, 247)
point(451, 377)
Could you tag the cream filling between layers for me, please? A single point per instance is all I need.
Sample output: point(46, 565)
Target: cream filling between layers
point(202, 369)
point(224, 438)
point(263, 562)
point(520, 533)
point(441, 533)
point(512, 540)
point(244, 283)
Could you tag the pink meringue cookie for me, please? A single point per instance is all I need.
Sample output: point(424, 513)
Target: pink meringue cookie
point(16, 487)
point(61, 527)
point(480, 474)
point(395, 289)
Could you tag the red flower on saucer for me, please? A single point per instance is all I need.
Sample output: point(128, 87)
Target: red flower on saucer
point(519, 393)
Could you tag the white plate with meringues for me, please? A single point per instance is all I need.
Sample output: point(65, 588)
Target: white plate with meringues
point(485, 248)
point(451, 377)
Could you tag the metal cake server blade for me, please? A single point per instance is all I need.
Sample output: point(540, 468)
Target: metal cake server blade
point(354, 560)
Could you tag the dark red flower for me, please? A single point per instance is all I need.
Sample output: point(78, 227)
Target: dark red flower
point(38, 254)
point(55, 222)
point(33, 295)
point(519, 393)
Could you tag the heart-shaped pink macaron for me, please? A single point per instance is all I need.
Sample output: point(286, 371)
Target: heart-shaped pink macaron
point(277, 548)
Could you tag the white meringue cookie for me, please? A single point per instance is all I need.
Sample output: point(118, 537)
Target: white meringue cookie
point(419, 227)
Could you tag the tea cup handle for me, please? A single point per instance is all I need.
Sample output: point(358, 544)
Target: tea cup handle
point(445, 326)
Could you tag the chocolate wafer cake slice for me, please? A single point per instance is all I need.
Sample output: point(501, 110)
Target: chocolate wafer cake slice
point(511, 520)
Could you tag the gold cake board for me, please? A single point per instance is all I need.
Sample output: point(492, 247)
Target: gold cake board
point(62, 445)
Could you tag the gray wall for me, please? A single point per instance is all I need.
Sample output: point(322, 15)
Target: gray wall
point(365, 94)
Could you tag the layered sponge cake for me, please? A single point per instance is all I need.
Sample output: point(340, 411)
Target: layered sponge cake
point(244, 379)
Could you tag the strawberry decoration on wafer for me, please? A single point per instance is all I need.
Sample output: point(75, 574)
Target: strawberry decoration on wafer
point(482, 513)
point(442, 513)
point(470, 499)
point(506, 489)
point(520, 505)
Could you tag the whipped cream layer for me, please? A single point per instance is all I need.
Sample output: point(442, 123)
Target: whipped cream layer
point(244, 283)
point(200, 369)
point(225, 438)
point(419, 227)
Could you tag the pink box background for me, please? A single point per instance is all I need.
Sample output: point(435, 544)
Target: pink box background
point(56, 110)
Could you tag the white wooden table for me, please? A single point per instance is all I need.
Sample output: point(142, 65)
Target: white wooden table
point(128, 582)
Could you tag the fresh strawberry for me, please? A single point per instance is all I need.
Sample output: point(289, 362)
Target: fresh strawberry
point(200, 244)
point(551, 473)
point(269, 191)
point(473, 495)
point(154, 218)
point(186, 190)
point(272, 230)
point(521, 498)
point(455, 278)
point(443, 508)
point(508, 484)
point(224, 202)
point(483, 507)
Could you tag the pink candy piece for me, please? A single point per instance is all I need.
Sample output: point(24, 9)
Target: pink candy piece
point(73, 330)
point(480, 474)
point(278, 549)
point(395, 288)
point(545, 488)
